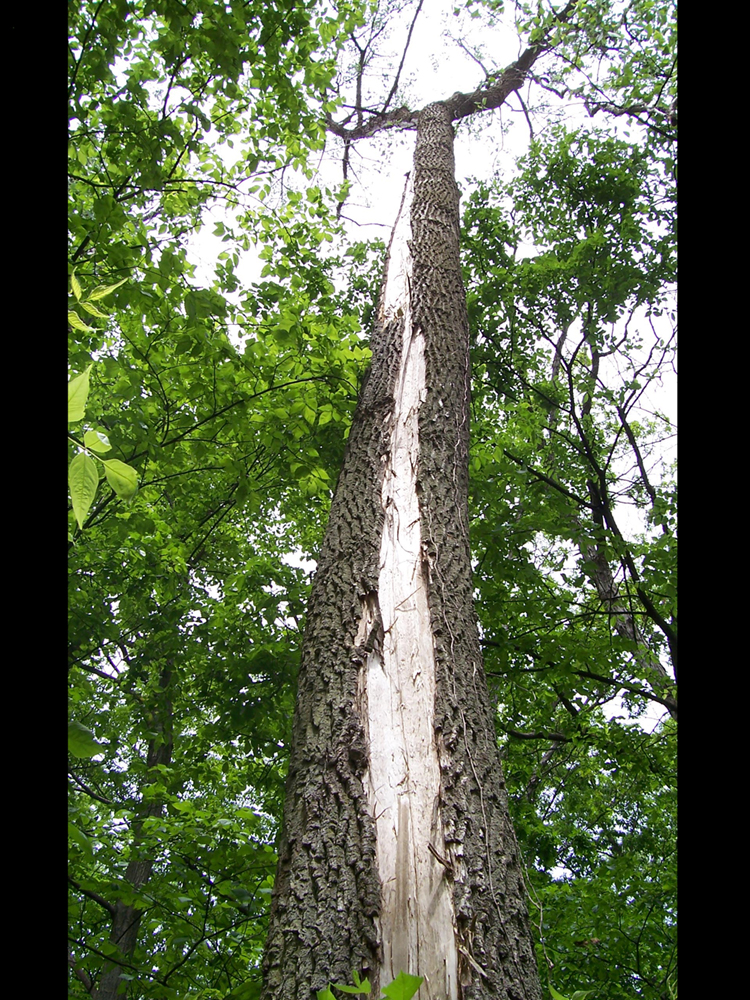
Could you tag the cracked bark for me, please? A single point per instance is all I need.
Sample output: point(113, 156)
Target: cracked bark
point(397, 843)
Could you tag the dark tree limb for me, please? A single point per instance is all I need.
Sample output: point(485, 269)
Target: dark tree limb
point(393, 89)
point(80, 974)
point(104, 903)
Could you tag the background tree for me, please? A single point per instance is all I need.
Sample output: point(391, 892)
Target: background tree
point(184, 615)
point(564, 624)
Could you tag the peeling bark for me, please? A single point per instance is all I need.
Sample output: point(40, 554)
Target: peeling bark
point(398, 691)
point(398, 850)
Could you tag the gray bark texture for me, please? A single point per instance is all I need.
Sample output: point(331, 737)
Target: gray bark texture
point(326, 902)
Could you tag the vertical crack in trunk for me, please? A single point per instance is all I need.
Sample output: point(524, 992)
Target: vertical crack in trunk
point(403, 779)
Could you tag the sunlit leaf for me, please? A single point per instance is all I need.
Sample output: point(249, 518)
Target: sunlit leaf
point(121, 477)
point(97, 441)
point(78, 392)
point(93, 310)
point(83, 481)
point(77, 323)
point(103, 290)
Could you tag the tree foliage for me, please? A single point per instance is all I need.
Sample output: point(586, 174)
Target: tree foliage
point(229, 399)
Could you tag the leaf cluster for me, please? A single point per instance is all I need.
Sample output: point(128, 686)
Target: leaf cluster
point(403, 987)
point(186, 597)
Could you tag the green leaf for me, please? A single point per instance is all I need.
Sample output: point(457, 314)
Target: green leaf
point(578, 995)
point(360, 987)
point(81, 742)
point(78, 391)
point(83, 480)
point(403, 987)
point(122, 478)
point(81, 839)
point(309, 414)
point(97, 441)
point(325, 994)
point(103, 290)
point(76, 286)
point(93, 310)
point(77, 323)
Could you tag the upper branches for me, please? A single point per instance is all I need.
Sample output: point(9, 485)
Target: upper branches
point(491, 94)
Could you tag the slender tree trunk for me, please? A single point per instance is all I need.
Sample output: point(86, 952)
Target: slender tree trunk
point(126, 919)
point(397, 850)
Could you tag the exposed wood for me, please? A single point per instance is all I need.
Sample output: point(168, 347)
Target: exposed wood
point(403, 779)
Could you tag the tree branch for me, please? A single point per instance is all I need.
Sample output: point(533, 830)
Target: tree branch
point(403, 57)
point(89, 791)
point(490, 95)
point(94, 896)
point(668, 702)
point(541, 735)
point(579, 501)
point(88, 983)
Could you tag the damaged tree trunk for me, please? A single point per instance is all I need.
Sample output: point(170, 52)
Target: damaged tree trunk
point(397, 851)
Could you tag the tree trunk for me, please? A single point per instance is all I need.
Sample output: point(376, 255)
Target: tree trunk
point(126, 918)
point(397, 850)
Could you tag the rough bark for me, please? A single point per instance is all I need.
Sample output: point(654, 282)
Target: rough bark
point(488, 892)
point(397, 843)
